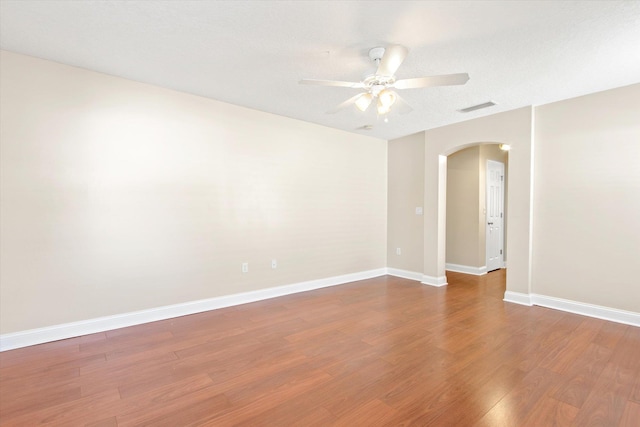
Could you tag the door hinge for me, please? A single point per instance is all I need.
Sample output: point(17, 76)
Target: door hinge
point(500, 214)
point(500, 251)
point(501, 177)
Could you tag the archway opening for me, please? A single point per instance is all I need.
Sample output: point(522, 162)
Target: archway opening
point(475, 209)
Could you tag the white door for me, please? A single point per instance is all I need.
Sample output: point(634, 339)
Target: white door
point(495, 215)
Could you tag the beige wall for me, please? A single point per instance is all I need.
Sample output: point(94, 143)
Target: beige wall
point(463, 205)
point(582, 240)
point(512, 127)
point(406, 192)
point(587, 199)
point(119, 196)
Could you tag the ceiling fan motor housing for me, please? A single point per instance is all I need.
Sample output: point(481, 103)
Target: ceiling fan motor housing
point(375, 83)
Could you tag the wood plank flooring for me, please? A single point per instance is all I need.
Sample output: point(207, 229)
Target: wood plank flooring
point(379, 352)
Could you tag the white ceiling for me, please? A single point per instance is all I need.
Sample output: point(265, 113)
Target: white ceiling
point(253, 53)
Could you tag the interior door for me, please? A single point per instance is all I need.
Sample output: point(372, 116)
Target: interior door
point(495, 215)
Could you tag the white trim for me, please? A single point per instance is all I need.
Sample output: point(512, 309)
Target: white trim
point(591, 310)
point(517, 298)
point(101, 324)
point(476, 271)
point(434, 281)
point(581, 308)
point(405, 274)
point(532, 152)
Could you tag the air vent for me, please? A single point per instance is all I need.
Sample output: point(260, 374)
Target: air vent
point(478, 107)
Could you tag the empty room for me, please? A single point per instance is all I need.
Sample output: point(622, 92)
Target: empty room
point(319, 213)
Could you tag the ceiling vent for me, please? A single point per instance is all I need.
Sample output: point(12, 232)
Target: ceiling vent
point(477, 107)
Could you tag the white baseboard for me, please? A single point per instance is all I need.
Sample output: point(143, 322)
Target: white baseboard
point(101, 324)
point(591, 310)
point(584, 309)
point(517, 298)
point(422, 278)
point(476, 271)
point(405, 274)
point(434, 281)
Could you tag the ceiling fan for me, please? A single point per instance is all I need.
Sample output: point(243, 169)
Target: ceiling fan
point(379, 86)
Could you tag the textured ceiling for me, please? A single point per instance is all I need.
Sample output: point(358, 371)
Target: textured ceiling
point(253, 53)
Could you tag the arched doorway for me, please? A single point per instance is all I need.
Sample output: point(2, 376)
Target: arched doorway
point(513, 128)
point(476, 212)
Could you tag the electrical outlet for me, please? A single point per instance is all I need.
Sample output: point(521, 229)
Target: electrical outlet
point(245, 267)
point(274, 264)
point(398, 251)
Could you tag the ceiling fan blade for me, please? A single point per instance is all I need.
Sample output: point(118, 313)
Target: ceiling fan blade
point(444, 80)
point(345, 104)
point(391, 60)
point(355, 85)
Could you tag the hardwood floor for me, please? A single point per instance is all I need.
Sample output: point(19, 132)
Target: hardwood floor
point(379, 352)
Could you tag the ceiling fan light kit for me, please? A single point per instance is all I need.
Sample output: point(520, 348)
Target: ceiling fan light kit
point(363, 101)
point(379, 85)
point(386, 99)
